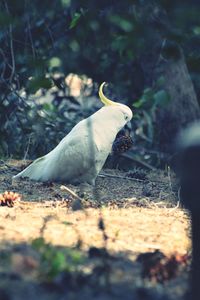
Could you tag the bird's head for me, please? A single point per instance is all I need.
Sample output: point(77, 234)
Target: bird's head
point(118, 107)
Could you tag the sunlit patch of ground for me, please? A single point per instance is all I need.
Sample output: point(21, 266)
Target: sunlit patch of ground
point(139, 216)
point(132, 229)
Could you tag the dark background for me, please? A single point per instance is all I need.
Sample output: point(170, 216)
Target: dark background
point(148, 52)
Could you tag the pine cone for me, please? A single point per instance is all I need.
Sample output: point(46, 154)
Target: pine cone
point(8, 198)
point(122, 144)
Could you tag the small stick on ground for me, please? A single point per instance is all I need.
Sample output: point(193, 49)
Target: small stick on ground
point(121, 177)
point(103, 175)
point(144, 164)
point(72, 193)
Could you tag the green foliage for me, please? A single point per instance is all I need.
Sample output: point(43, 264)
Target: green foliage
point(161, 98)
point(75, 20)
point(36, 83)
point(35, 128)
point(54, 260)
point(113, 41)
point(146, 107)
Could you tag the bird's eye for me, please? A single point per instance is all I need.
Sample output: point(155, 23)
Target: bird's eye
point(126, 117)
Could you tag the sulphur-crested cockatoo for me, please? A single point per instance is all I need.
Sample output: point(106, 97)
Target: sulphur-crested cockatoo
point(81, 154)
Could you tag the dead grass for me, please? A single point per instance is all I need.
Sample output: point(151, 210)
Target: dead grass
point(133, 230)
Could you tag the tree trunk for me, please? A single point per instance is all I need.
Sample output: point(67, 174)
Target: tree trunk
point(183, 107)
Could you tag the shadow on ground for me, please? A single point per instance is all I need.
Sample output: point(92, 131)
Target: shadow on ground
point(54, 248)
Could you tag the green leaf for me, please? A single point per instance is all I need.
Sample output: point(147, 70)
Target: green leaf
point(145, 100)
point(38, 243)
point(66, 3)
point(125, 24)
point(67, 223)
point(58, 263)
point(75, 20)
point(161, 98)
point(36, 83)
point(139, 103)
point(77, 257)
point(54, 62)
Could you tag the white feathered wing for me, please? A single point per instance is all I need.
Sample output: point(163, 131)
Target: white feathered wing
point(79, 156)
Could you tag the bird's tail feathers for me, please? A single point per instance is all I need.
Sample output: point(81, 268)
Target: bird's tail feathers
point(33, 171)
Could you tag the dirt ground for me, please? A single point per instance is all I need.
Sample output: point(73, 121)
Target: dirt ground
point(139, 213)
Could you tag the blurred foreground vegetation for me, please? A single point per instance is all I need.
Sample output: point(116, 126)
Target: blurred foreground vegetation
point(119, 42)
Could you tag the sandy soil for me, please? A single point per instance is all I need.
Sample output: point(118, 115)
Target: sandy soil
point(140, 215)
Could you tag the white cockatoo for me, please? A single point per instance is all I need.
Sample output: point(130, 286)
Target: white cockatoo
point(81, 154)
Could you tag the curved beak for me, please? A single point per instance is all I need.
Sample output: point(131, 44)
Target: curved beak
point(128, 128)
point(103, 98)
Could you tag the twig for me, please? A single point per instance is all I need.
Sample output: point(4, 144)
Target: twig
point(144, 164)
point(12, 54)
point(175, 207)
point(11, 47)
point(50, 34)
point(16, 93)
point(160, 54)
point(28, 146)
point(104, 175)
point(72, 193)
point(30, 37)
point(169, 178)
